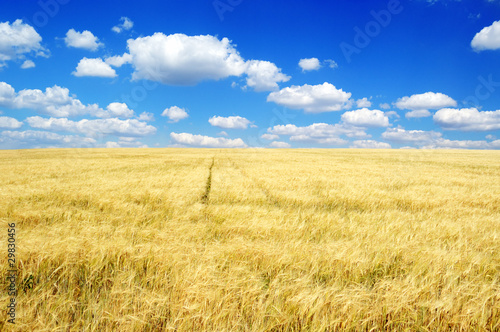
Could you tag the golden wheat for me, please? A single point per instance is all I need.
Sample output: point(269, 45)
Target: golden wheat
point(253, 240)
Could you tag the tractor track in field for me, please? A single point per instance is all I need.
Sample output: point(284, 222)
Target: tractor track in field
point(206, 195)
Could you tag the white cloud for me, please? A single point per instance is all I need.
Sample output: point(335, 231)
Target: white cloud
point(55, 101)
point(125, 142)
point(279, 145)
point(17, 40)
point(363, 103)
point(9, 123)
point(320, 133)
point(467, 119)
point(309, 139)
point(270, 137)
point(32, 138)
point(419, 137)
point(418, 114)
point(93, 128)
point(118, 60)
point(332, 64)
point(206, 141)
point(184, 60)
point(369, 144)
point(230, 122)
point(425, 101)
point(84, 40)
point(366, 118)
point(309, 64)
point(27, 64)
point(175, 114)
point(312, 98)
point(488, 38)
point(222, 133)
point(119, 110)
point(442, 143)
point(125, 25)
point(392, 114)
point(146, 116)
point(179, 59)
point(94, 67)
point(491, 137)
point(385, 106)
point(264, 75)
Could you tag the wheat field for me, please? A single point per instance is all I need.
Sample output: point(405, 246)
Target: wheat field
point(253, 239)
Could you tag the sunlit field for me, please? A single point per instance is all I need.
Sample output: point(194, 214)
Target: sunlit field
point(253, 240)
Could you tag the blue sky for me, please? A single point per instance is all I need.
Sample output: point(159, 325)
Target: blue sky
point(241, 73)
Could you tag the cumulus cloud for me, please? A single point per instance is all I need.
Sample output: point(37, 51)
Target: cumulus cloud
point(125, 25)
point(369, 144)
point(279, 145)
point(467, 119)
point(264, 75)
point(17, 40)
point(320, 133)
point(423, 102)
point(40, 139)
point(179, 59)
point(27, 64)
point(270, 137)
point(488, 38)
point(332, 64)
point(119, 110)
point(230, 122)
point(125, 142)
point(418, 114)
point(94, 128)
point(206, 141)
point(175, 114)
point(94, 67)
point(366, 118)
point(118, 60)
point(418, 137)
point(364, 102)
point(385, 106)
point(309, 64)
point(9, 123)
point(56, 101)
point(312, 98)
point(146, 116)
point(184, 60)
point(84, 40)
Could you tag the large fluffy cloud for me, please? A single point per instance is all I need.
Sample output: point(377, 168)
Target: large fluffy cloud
point(94, 128)
point(18, 40)
point(175, 114)
point(488, 38)
point(366, 118)
point(419, 104)
point(179, 59)
point(312, 98)
point(206, 141)
point(85, 40)
point(467, 119)
point(57, 101)
point(94, 67)
point(230, 122)
point(184, 60)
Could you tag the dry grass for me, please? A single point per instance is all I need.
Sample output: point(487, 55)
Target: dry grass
point(254, 240)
